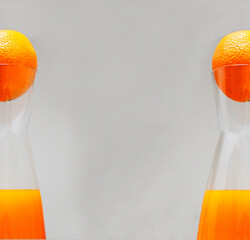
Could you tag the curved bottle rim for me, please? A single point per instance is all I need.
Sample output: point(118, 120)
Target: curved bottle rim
point(228, 66)
point(18, 66)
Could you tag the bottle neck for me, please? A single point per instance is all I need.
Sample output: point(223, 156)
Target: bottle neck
point(16, 163)
point(233, 116)
point(14, 115)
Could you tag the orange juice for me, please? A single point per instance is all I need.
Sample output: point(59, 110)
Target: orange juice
point(225, 215)
point(21, 215)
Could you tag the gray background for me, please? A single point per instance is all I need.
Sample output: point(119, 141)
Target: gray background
point(124, 125)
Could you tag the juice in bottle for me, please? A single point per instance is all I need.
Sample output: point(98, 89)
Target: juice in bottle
point(21, 214)
point(225, 215)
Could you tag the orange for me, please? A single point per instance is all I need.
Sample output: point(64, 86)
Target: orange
point(231, 65)
point(18, 64)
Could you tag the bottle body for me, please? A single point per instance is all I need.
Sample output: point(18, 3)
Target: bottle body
point(21, 212)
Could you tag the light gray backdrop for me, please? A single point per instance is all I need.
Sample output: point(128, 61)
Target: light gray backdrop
point(124, 126)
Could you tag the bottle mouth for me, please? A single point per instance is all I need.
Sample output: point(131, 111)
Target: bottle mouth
point(15, 80)
point(234, 81)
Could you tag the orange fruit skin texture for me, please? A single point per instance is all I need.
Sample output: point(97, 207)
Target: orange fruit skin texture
point(232, 52)
point(18, 64)
point(233, 49)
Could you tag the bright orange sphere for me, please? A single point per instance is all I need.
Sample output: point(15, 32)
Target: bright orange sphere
point(18, 64)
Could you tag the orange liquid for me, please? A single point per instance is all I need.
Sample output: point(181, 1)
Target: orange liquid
point(21, 215)
point(225, 215)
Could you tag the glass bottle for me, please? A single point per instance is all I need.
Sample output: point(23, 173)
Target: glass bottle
point(21, 212)
point(225, 213)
